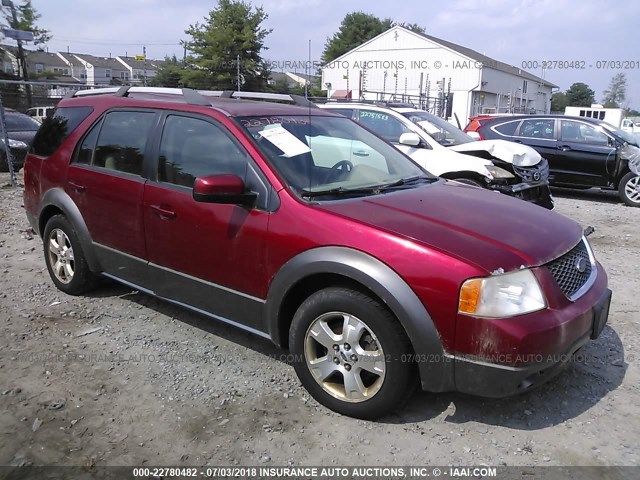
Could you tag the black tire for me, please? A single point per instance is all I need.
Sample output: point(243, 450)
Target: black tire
point(629, 184)
point(81, 279)
point(469, 181)
point(382, 337)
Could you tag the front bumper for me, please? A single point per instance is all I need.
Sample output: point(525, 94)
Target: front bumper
point(517, 369)
point(535, 192)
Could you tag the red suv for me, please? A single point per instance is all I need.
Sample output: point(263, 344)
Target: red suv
point(305, 228)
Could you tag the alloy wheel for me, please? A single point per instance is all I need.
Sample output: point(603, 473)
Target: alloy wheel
point(61, 256)
point(632, 189)
point(345, 357)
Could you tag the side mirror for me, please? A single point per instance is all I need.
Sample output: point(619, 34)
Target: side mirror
point(410, 138)
point(229, 189)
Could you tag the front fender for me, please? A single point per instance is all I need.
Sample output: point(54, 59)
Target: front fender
point(57, 198)
point(436, 372)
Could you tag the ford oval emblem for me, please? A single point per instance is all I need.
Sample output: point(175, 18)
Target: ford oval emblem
point(581, 264)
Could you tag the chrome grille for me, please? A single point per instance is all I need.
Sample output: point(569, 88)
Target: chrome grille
point(573, 269)
point(535, 173)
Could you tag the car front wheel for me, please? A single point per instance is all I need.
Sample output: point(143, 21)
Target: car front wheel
point(629, 189)
point(351, 353)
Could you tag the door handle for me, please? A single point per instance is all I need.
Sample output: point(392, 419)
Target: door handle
point(78, 187)
point(163, 212)
point(564, 148)
point(518, 141)
point(361, 153)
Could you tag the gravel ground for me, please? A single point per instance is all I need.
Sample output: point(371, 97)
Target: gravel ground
point(119, 378)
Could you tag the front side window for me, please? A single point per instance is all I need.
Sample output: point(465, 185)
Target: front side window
point(333, 156)
point(383, 124)
point(536, 128)
point(122, 141)
point(439, 129)
point(192, 148)
point(571, 131)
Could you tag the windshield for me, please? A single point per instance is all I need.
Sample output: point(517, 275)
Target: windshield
point(318, 155)
point(621, 134)
point(440, 130)
point(16, 122)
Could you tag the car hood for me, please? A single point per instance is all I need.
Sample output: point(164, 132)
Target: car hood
point(441, 160)
point(510, 152)
point(25, 136)
point(475, 225)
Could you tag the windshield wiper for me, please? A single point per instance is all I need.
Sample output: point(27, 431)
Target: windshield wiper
point(406, 181)
point(375, 189)
point(339, 191)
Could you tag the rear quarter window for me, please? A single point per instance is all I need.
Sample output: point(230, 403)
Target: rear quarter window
point(508, 128)
point(56, 128)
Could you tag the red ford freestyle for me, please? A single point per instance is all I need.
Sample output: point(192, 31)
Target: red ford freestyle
point(305, 228)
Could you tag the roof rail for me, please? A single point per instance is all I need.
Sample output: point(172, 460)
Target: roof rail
point(282, 97)
point(197, 97)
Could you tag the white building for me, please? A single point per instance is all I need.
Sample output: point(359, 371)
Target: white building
point(402, 65)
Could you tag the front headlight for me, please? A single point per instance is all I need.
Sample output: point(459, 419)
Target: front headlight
point(497, 172)
point(501, 296)
point(15, 143)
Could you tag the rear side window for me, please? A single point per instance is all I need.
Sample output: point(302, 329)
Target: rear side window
point(508, 128)
point(56, 128)
point(347, 112)
point(383, 124)
point(535, 128)
point(122, 141)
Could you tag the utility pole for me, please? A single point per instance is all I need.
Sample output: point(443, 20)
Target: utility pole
point(238, 65)
point(144, 55)
point(21, 59)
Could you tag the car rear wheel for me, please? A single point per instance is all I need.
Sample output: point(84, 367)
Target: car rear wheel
point(64, 257)
point(351, 353)
point(629, 189)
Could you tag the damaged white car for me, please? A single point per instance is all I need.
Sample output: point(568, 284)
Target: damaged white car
point(444, 150)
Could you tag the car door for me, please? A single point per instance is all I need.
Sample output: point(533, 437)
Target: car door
point(538, 133)
point(106, 182)
point(206, 255)
point(586, 155)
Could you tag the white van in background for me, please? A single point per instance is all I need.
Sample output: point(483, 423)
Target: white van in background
point(40, 113)
point(613, 116)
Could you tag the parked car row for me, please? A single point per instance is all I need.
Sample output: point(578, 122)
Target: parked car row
point(303, 227)
point(582, 152)
point(446, 151)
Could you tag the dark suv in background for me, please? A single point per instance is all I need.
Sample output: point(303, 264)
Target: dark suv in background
point(377, 275)
point(582, 152)
point(21, 129)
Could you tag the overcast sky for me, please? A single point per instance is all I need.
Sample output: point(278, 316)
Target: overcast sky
point(512, 31)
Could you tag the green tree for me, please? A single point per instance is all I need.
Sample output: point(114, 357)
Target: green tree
point(414, 27)
point(580, 95)
point(232, 29)
point(559, 101)
point(355, 29)
point(616, 94)
point(168, 74)
point(27, 17)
